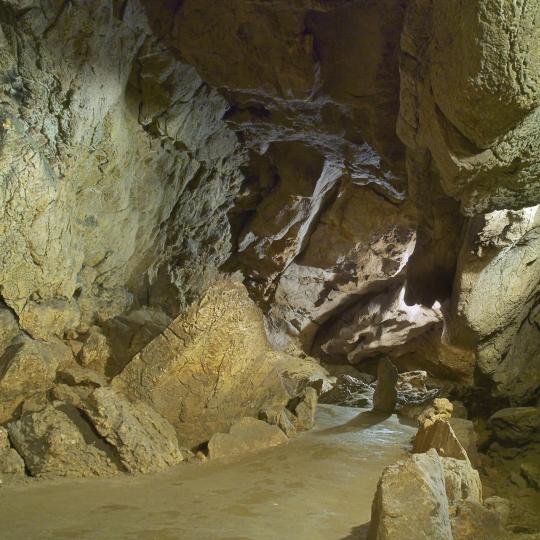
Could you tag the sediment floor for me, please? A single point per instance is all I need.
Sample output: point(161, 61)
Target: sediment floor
point(317, 487)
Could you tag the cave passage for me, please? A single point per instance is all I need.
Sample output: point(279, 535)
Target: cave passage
point(317, 487)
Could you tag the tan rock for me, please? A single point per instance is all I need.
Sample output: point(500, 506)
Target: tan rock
point(208, 368)
point(10, 461)
point(8, 328)
point(145, 442)
point(96, 351)
point(245, 436)
point(466, 435)
point(440, 409)
point(476, 522)
point(412, 487)
point(51, 318)
point(58, 441)
point(516, 425)
point(440, 436)
point(28, 367)
point(306, 408)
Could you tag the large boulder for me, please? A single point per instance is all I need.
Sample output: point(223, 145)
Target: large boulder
point(411, 501)
point(58, 441)
point(421, 496)
point(209, 367)
point(246, 435)
point(10, 461)
point(516, 426)
point(144, 441)
point(28, 367)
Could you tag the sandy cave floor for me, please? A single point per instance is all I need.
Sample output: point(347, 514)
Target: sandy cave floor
point(317, 487)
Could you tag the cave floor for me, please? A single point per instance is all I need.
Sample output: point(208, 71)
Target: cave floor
point(318, 486)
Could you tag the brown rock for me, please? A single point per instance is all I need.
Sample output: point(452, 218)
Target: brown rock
point(305, 409)
point(476, 522)
point(58, 441)
point(245, 436)
point(385, 396)
point(208, 368)
point(440, 436)
point(516, 425)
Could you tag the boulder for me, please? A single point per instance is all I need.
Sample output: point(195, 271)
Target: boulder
point(27, 367)
point(305, 409)
point(466, 435)
point(10, 461)
point(8, 328)
point(385, 396)
point(440, 436)
point(95, 352)
point(59, 441)
point(209, 367)
point(144, 441)
point(50, 318)
point(476, 522)
point(411, 501)
point(245, 436)
point(516, 426)
point(349, 392)
point(461, 482)
point(281, 417)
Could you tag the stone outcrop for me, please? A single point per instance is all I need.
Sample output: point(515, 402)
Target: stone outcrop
point(211, 366)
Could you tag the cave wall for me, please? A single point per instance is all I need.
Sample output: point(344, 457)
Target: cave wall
point(370, 167)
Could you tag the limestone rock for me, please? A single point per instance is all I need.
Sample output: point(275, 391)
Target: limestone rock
point(208, 368)
point(349, 392)
point(516, 426)
point(412, 390)
point(379, 326)
point(305, 409)
point(281, 417)
point(440, 436)
point(95, 352)
point(461, 482)
point(27, 367)
point(466, 435)
point(58, 441)
point(476, 522)
point(8, 328)
point(385, 396)
point(145, 442)
point(440, 409)
point(10, 461)
point(246, 435)
point(52, 318)
point(412, 487)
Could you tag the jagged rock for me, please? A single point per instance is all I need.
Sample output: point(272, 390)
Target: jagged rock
point(349, 392)
point(305, 409)
point(412, 487)
point(10, 461)
point(476, 522)
point(144, 441)
point(461, 482)
point(51, 318)
point(421, 496)
point(385, 395)
point(59, 441)
point(412, 390)
point(440, 436)
point(379, 326)
point(211, 366)
point(466, 435)
point(28, 367)
point(516, 426)
point(440, 409)
point(8, 328)
point(246, 435)
point(281, 417)
point(531, 473)
point(96, 352)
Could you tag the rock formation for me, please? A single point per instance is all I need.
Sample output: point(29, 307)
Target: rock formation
point(206, 204)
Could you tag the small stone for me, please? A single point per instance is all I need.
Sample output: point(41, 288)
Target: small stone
point(305, 410)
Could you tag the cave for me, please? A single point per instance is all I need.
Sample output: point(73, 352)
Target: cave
point(270, 269)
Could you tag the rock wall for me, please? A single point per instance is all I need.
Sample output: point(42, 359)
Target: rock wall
point(371, 168)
